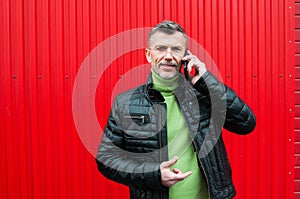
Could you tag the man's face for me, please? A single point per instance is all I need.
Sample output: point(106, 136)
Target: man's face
point(165, 52)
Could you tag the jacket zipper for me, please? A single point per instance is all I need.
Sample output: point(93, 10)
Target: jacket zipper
point(139, 117)
point(160, 140)
point(205, 175)
point(199, 161)
point(205, 178)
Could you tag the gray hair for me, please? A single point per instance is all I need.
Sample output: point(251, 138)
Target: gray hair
point(168, 27)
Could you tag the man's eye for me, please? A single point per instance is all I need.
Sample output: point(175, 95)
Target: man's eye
point(161, 48)
point(176, 49)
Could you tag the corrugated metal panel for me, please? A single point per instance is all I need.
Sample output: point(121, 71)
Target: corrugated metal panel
point(297, 104)
point(43, 44)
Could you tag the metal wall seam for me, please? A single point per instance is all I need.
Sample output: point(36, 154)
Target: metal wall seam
point(289, 73)
point(45, 42)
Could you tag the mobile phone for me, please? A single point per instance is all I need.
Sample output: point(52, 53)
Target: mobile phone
point(186, 73)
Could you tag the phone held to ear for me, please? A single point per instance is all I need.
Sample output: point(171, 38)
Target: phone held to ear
point(186, 73)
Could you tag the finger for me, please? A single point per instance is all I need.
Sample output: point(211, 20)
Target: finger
point(177, 171)
point(190, 66)
point(182, 176)
point(186, 174)
point(171, 162)
point(187, 57)
point(189, 52)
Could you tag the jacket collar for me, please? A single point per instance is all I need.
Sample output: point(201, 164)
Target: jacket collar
point(156, 97)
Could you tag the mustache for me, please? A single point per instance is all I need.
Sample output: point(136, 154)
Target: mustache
point(168, 63)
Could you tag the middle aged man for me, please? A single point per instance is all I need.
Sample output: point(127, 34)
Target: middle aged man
point(163, 139)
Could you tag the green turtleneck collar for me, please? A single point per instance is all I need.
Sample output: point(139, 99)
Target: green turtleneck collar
point(164, 85)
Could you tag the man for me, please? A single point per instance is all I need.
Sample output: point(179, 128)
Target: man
point(163, 139)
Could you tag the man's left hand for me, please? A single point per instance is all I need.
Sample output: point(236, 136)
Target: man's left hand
point(194, 62)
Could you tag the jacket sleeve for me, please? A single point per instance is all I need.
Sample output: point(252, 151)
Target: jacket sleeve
point(113, 162)
point(238, 117)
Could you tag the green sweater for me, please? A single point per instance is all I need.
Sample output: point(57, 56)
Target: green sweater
point(180, 144)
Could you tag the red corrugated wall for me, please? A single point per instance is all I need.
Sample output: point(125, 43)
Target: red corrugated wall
point(297, 98)
point(44, 43)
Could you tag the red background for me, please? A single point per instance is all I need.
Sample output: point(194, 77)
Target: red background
point(43, 43)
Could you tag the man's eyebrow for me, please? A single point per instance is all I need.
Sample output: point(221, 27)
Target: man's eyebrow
point(177, 47)
point(160, 45)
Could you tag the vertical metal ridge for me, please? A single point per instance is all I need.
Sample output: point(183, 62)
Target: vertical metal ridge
point(44, 43)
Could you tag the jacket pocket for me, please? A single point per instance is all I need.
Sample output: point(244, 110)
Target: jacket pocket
point(137, 126)
point(139, 134)
point(139, 119)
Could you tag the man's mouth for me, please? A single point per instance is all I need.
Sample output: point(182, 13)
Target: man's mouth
point(167, 65)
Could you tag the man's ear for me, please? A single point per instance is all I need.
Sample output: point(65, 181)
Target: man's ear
point(148, 55)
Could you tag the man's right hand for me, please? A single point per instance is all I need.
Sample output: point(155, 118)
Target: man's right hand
point(169, 178)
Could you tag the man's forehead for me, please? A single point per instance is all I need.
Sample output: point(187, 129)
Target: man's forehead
point(160, 38)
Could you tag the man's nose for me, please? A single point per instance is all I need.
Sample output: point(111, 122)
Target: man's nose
point(168, 54)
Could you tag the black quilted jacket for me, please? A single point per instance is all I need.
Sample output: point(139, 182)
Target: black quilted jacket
point(134, 142)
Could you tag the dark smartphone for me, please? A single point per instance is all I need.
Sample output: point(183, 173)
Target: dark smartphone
point(185, 71)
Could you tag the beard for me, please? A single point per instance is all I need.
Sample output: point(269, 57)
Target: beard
point(167, 75)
